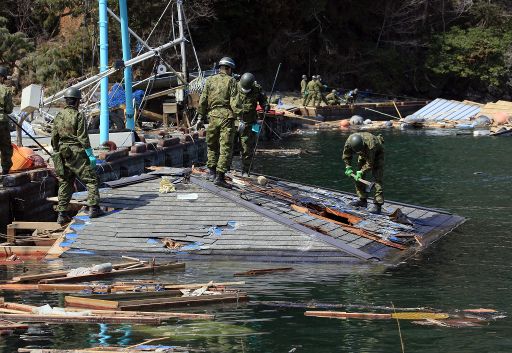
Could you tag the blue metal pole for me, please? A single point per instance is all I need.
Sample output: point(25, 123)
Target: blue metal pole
point(127, 55)
point(104, 114)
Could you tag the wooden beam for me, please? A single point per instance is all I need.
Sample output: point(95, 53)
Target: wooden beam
point(82, 319)
point(98, 304)
point(263, 271)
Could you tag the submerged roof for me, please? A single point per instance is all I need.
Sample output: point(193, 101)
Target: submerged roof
point(282, 221)
point(442, 109)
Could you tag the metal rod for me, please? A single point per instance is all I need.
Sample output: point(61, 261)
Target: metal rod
point(91, 80)
point(264, 116)
point(182, 35)
point(127, 55)
point(104, 112)
point(376, 111)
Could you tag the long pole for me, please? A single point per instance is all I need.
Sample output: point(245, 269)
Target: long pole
point(104, 114)
point(182, 45)
point(264, 116)
point(127, 55)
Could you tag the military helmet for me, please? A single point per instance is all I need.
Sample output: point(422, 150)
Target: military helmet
point(227, 61)
point(356, 142)
point(3, 71)
point(304, 76)
point(247, 82)
point(333, 91)
point(73, 92)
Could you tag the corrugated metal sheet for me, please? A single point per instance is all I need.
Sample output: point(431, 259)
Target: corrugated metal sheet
point(442, 109)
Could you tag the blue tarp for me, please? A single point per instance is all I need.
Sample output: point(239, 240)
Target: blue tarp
point(116, 96)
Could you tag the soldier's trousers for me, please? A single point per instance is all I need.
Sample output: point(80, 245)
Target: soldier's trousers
point(77, 165)
point(378, 176)
point(247, 142)
point(304, 98)
point(5, 146)
point(219, 139)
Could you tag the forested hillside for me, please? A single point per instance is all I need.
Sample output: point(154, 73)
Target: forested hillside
point(421, 48)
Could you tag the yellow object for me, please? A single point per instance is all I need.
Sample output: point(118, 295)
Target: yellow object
point(419, 316)
point(166, 186)
point(21, 158)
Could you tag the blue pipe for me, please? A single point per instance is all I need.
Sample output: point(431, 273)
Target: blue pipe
point(104, 114)
point(127, 55)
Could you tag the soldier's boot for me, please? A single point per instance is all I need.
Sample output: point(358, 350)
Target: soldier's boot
point(212, 173)
point(95, 212)
point(5, 171)
point(359, 203)
point(63, 218)
point(376, 208)
point(221, 181)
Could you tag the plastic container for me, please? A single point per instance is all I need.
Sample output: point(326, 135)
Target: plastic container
point(22, 158)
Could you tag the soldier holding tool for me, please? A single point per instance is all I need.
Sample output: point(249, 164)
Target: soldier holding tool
point(370, 152)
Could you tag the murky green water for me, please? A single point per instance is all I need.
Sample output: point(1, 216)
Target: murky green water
point(470, 268)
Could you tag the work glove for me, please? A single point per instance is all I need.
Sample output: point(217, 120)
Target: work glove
point(92, 159)
point(359, 175)
point(348, 171)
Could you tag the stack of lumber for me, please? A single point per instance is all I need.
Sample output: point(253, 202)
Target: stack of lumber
point(490, 109)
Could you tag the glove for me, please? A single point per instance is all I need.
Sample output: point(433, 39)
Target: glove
point(266, 108)
point(348, 171)
point(92, 159)
point(359, 175)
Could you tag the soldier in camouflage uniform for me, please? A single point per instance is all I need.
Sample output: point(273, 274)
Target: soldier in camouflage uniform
point(370, 151)
point(312, 89)
point(218, 102)
point(332, 98)
point(320, 90)
point(70, 141)
point(6, 107)
point(303, 89)
point(249, 95)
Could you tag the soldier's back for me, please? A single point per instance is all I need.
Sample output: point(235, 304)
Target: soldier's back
point(220, 88)
point(66, 126)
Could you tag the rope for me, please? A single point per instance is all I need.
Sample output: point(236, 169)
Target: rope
point(192, 43)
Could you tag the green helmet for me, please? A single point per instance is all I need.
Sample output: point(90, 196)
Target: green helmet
point(356, 142)
point(247, 82)
point(333, 91)
point(304, 77)
point(73, 92)
point(3, 71)
point(227, 61)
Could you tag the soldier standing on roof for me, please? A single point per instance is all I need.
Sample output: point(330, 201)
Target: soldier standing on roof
point(320, 90)
point(370, 151)
point(218, 102)
point(6, 107)
point(312, 89)
point(249, 95)
point(70, 140)
point(303, 89)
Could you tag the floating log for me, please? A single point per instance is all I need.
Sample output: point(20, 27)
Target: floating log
point(372, 316)
point(263, 271)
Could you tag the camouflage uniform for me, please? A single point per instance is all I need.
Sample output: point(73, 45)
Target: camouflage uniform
point(371, 159)
point(6, 107)
point(303, 90)
point(319, 92)
point(218, 101)
point(246, 103)
point(312, 89)
point(70, 138)
point(333, 99)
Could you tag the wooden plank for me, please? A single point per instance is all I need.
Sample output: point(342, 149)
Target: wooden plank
point(82, 319)
point(345, 315)
point(263, 271)
point(134, 305)
point(98, 304)
point(35, 225)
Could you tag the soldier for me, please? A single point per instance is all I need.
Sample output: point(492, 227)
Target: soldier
point(370, 151)
point(71, 141)
point(218, 102)
point(332, 98)
point(352, 96)
point(249, 95)
point(312, 89)
point(321, 88)
point(303, 89)
point(6, 107)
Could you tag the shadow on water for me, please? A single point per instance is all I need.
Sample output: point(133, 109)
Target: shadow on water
point(467, 269)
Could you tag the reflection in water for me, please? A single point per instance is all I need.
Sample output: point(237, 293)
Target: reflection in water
point(467, 269)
